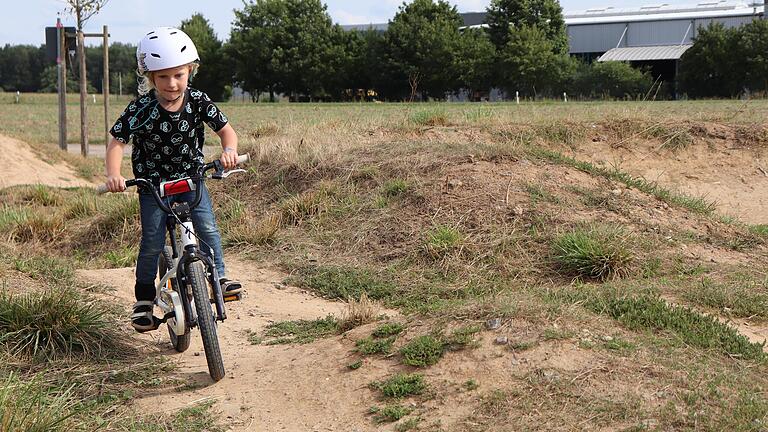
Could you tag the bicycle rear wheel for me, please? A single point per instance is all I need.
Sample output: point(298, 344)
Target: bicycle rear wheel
point(205, 319)
point(180, 342)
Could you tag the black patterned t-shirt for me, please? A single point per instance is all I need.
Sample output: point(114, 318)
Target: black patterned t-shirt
point(167, 145)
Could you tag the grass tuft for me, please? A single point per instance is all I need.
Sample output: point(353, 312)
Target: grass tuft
point(594, 252)
point(430, 117)
point(443, 240)
point(54, 324)
point(394, 188)
point(359, 311)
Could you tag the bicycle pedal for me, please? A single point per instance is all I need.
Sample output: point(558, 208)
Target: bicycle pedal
point(231, 298)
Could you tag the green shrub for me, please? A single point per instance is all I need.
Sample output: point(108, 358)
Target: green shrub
point(344, 283)
point(401, 385)
point(302, 331)
point(369, 346)
point(390, 413)
point(616, 80)
point(388, 329)
point(423, 351)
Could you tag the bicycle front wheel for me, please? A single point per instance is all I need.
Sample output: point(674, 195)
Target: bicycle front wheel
point(180, 342)
point(205, 319)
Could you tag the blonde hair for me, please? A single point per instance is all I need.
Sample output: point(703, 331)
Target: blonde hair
point(147, 83)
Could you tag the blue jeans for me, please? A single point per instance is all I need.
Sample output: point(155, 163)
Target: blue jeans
point(153, 233)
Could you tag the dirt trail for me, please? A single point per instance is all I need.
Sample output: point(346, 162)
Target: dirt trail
point(22, 166)
point(267, 388)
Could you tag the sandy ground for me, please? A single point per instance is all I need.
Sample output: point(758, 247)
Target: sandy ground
point(267, 388)
point(22, 166)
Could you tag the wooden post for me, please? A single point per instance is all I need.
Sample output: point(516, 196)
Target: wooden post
point(105, 86)
point(83, 91)
point(62, 66)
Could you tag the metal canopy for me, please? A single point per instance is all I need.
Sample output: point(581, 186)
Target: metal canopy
point(660, 52)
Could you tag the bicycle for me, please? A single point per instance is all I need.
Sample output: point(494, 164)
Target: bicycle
point(189, 283)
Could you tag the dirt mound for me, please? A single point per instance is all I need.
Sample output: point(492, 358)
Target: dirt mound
point(22, 166)
point(718, 166)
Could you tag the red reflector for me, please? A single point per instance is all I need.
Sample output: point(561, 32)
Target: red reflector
point(176, 187)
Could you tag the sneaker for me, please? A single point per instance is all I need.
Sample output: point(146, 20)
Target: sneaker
point(142, 319)
point(230, 287)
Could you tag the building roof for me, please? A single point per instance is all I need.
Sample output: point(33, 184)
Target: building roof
point(658, 12)
point(663, 12)
point(661, 52)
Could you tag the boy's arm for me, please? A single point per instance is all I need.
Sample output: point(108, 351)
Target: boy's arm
point(229, 146)
point(114, 158)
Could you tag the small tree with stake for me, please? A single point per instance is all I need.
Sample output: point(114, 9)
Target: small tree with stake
point(83, 10)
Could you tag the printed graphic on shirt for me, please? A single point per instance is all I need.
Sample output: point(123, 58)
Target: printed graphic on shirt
point(166, 145)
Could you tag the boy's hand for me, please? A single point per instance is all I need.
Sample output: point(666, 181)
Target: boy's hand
point(228, 158)
point(115, 183)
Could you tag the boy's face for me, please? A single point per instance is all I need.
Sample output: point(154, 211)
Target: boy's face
point(172, 82)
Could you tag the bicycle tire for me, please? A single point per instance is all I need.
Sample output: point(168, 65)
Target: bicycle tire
point(180, 343)
point(205, 319)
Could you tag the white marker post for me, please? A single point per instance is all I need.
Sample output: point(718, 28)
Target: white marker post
point(517, 97)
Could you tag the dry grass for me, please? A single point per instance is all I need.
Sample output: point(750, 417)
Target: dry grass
point(359, 312)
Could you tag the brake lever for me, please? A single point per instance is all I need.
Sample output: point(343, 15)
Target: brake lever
point(222, 174)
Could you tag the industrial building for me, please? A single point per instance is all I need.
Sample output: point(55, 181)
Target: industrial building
point(653, 36)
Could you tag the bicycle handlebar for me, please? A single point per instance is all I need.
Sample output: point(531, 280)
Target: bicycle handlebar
point(216, 164)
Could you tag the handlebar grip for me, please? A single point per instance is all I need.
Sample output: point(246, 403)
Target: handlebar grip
point(243, 158)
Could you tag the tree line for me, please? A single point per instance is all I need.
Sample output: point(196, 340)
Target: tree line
point(292, 47)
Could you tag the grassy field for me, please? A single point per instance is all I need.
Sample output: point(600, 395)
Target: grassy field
point(454, 215)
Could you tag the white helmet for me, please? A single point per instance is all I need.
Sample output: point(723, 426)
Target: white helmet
point(163, 48)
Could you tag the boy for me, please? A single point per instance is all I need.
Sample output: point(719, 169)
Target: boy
point(166, 123)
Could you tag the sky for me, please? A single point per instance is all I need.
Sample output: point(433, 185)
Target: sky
point(24, 22)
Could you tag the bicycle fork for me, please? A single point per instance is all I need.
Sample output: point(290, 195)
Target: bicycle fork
point(192, 253)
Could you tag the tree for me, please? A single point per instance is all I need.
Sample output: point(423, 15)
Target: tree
point(83, 10)
point(751, 41)
point(122, 67)
point(503, 16)
point(49, 81)
point(529, 63)
point(21, 67)
point(284, 45)
point(475, 55)
point(706, 69)
point(212, 76)
point(420, 45)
